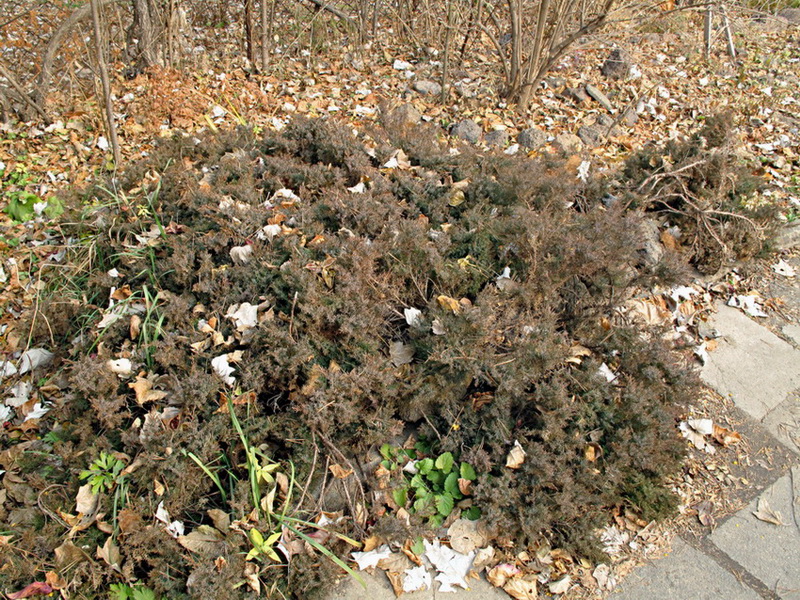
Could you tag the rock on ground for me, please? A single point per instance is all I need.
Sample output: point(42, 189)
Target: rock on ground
point(427, 87)
point(496, 139)
point(568, 143)
point(532, 138)
point(595, 93)
point(616, 66)
point(404, 115)
point(468, 130)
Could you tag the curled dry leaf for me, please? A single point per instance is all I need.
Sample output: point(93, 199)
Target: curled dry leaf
point(143, 387)
point(593, 451)
point(204, 540)
point(339, 472)
point(110, 553)
point(465, 536)
point(521, 588)
point(499, 575)
point(448, 303)
point(765, 513)
point(561, 586)
point(725, 437)
point(516, 456)
point(241, 255)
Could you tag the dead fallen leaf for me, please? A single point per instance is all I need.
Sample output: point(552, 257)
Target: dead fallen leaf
point(561, 586)
point(68, 554)
point(204, 540)
point(765, 513)
point(37, 588)
point(725, 437)
point(339, 472)
point(704, 513)
point(143, 387)
point(465, 536)
point(515, 457)
point(448, 303)
point(521, 588)
point(593, 451)
point(86, 501)
point(499, 575)
point(110, 553)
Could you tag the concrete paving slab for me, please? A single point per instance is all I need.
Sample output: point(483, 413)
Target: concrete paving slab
point(751, 364)
point(684, 573)
point(783, 422)
point(770, 552)
point(792, 332)
point(379, 588)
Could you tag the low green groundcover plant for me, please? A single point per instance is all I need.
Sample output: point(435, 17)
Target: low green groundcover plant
point(337, 291)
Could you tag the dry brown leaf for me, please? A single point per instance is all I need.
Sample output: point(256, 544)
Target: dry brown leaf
point(705, 513)
point(143, 387)
point(68, 554)
point(465, 486)
point(339, 472)
point(725, 437)
point(135, 326)
point(396, 580)
point(220, 518)
point(765, 513)
point(86, 501)
point(593, 451)
point(371, 543)
point(251, 571)
point(204, 540)
point(110, 553)
point(465, 536)
point(498, 576)
point(515, 457)
point(521, 588)
point(128, 520)
point(448, 303)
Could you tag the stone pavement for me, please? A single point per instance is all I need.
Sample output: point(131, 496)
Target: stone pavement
point(743, 558)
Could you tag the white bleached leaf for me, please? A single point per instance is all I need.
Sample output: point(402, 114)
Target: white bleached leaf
point(33, 359)
point(607, 373)
point(244, 315)
point(748, 304)
point(358, 188)
point(6, 413)
point(602, 575)
point(113, 273)
point(86, 501)
point(285, 194)
point(392, 163)
point(120, 366)
point(703, 426)
point(511, 150)
point(367, 560)
point(413, 316)
point(701, 353)
point(217, 112)
point(241, 255)
point(583, 170)
point(784, 268)
point(162, 514)
point(37, 412)
point(21, 394)
point(410, 467)
point(400, 353)
point(269, 232)
point(516, 456)
point(416, 579)
point(504, 281)
point(696, 430)
point(8, 369)
point(453, 567)
point(102, 143)
point(682, 292)
point(437, 328)
point(401, 65)
point(561, 586)
point(223, 369)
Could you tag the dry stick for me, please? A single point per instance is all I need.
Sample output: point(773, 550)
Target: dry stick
point(23, 94)
point(264, 35)
point(101, 63)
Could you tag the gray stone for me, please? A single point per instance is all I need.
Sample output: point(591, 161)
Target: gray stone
point(555, 83)
point(788, 237)
point(790, 14)
point(569, 143)
point(532, 138)
point(577, 95)
point(595, 93)
point(684, 573)
point(604, 120)
point(496, 139)
point(427, 87)
point(590, 135)
point(405, 115)
point(379, 588)
point(467, 130)
point(616, 66)
point(751, 364)
point(651, 247)
point(783, 422)
point(630, 118)
point(770, 552)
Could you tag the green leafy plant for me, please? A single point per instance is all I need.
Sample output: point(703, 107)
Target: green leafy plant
point(431, 487)
point(20, 203)
point(122, 591)
point(106, 473)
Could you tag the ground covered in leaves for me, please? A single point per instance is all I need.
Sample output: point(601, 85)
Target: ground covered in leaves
point(252, 349)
